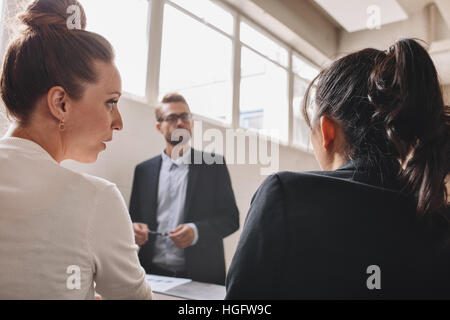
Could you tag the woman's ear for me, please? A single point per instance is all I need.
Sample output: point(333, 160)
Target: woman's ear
point(328, 129)
point(56, 102)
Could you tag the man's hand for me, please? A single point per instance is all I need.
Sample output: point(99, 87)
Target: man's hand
point(140, 233)
point(182, 236)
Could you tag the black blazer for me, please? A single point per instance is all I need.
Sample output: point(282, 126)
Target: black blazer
point(313, 235)
point(210, 204)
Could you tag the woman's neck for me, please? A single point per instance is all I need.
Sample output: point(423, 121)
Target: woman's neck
point(48, 142)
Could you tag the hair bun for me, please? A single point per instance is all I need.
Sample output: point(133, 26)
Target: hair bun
point(68, 14)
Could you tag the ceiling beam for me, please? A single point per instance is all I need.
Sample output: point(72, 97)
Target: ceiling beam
point(444, 8)
point(413, 6)
point(297, 23)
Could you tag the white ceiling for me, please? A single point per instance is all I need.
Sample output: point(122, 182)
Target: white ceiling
point(354, 15)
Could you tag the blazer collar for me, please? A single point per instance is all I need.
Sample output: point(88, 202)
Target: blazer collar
point(194, 170)
point(185, 159)
point(383, 174)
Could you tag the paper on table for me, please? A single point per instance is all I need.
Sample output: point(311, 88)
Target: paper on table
point(162, 284)
point(198, 291)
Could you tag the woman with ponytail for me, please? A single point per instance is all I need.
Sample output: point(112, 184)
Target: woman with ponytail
point(375, 222)
point(61, 232)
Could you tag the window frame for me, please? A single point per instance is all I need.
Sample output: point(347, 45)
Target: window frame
point(153, 99)
point(236, 66)
point(288, 68)
point(297, 77)
point(155, 18)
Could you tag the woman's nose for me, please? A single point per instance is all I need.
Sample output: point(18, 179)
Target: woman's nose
point(117, 123)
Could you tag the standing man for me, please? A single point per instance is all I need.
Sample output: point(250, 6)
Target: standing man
point(188, 208)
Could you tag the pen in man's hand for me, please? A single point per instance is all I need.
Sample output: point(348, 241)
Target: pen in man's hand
point(162, 234)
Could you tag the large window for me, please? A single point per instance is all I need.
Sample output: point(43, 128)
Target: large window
point(209, 13)
point(304, 73)
point(196, 57)
point(303, 69)
point(263, 44)
point(192, 52)
point(124, 24)
point(264, 84)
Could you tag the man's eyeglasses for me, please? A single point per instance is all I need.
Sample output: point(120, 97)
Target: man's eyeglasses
point(173, 118)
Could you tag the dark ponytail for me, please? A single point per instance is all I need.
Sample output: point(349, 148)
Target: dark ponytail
point(405, 91)
point(390, 107)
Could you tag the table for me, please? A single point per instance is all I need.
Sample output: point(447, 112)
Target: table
point(192, 290)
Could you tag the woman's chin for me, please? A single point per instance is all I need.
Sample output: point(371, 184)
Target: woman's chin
point(90, 158)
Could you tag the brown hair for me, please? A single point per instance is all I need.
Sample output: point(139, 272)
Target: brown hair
point(168, 98)
point(48, 54)
point(391, 109)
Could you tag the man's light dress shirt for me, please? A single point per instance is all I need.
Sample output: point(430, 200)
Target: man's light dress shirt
point(173, 180)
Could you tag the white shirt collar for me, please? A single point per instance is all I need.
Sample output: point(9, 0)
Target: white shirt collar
point(185, 159)
point(26, 144)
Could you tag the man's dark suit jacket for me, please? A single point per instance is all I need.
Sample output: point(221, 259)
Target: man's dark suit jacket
point(210, 204)
point(313, 235)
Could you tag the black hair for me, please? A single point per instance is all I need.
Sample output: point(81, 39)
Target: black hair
point(390, 107)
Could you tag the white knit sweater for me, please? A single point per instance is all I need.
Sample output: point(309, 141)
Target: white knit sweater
point(61, 231)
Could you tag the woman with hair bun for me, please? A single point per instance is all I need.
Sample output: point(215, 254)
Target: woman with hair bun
point(375, 223)
point(62, 232)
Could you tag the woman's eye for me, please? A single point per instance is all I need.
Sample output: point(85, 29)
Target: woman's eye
point(111, 103)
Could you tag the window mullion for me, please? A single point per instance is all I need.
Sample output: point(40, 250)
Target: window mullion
point(155, 30)
point(290, 99)
point(236, 72)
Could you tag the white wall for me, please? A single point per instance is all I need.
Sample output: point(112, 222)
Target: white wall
point(446, 91)
point(140, 141)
